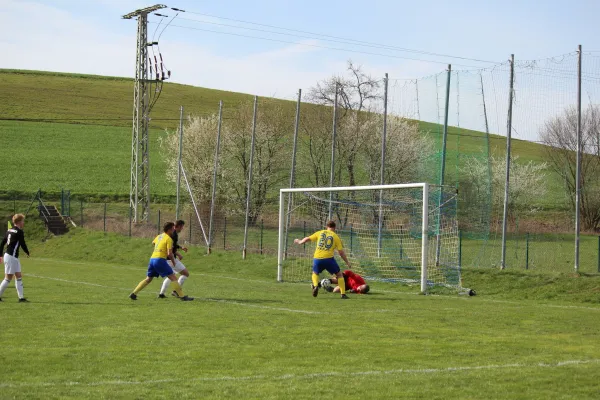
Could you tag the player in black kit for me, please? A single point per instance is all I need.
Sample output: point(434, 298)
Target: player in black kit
point(14, 239)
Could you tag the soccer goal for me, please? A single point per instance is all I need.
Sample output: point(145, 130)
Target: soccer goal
point(402, 233)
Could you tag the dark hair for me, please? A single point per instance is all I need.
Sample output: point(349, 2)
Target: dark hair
point(366, 289)
point(179, 222)
point(330, 224)
point(168, 226)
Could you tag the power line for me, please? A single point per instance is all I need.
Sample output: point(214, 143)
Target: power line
point(318, 46)
point(335, 39)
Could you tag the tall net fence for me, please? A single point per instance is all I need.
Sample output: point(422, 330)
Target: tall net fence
point(469, 156)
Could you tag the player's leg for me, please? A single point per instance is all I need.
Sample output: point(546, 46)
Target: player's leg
point(5, 283)
point(318, 267)
point(165, 284)
point(334, 269)
point(165, 270)
point(177, 288)
point(151, 274)
point(19, 285)
point(182, 271)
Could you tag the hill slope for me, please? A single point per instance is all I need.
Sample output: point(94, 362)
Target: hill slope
point(75, 130)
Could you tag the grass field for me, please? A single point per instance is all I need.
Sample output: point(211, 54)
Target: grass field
point(247, 336)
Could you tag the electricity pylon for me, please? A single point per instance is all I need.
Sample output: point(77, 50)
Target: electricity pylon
point(139, 194)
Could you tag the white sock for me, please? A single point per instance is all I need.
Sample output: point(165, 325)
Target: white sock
point(3, 286)
point(165, 285)
point(181, 279)
point(19, 285)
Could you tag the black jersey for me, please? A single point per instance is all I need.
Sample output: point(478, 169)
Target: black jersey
point(175, 238)
point(14, 239)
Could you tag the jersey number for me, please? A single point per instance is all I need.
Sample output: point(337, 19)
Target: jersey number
point(325, 242)
point(8, 239)
point(156, 246)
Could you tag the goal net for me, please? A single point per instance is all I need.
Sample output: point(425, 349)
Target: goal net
point(401, 233)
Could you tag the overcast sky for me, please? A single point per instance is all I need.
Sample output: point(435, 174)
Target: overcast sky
point(91, 37)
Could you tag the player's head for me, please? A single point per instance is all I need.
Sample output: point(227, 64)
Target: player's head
point(169, 227)
point(18, 220)
point(179, 225)
point(330, 225)
point(363, 289)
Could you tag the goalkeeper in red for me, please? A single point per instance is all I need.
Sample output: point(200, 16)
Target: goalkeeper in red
point(327, 242)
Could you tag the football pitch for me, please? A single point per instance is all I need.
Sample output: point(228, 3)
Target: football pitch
point(247, 336)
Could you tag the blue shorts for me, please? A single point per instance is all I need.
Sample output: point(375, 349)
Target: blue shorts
point(319, 264)
point(159, 267)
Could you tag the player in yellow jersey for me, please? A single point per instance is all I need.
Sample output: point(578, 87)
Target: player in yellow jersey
point(327, 242)
point(158, 266)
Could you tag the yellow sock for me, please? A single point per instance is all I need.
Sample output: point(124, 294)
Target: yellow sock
point(177, 287)
point(342, 284)
point(140, 286)
point(315, 279)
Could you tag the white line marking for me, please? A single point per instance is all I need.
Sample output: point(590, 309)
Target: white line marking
point(237, 303)
point(556, 364)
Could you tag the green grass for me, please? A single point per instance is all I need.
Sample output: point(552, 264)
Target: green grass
point(247, 336)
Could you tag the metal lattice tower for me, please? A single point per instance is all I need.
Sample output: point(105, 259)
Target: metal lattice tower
point(139, 194)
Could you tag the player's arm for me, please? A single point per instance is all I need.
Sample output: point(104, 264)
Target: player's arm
point(2, 244)
point(342, 254)
point(310, 238)
point(302, 241)
point(23, 245)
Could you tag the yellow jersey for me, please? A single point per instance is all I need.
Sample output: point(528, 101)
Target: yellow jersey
point(162, 243)
point(327, 242)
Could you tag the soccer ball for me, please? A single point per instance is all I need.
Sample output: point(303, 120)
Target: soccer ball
point(325, 283)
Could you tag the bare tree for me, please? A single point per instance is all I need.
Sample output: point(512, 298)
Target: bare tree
point(358, 94)
point(560, 136)
point(273, 127)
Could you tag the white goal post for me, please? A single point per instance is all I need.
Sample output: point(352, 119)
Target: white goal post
point(373, 207)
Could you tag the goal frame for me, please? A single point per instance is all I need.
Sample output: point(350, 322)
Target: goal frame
point(424, 228)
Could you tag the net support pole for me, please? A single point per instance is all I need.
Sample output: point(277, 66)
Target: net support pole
point(438, 245)
point(280, 243)
point(179, 160)
point(293, 170)
point(382, 177)
point(425, 238)
point(214, 181)
point(187, 184)
point(578, 167)
point(333, 138)
point(249, 191)
point(508, 143)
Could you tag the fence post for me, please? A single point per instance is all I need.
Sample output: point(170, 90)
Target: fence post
point(130, 221)
point(527, 250)
point(261, 235)
point(598, 253)
point(304, 245)
point(105, 217)
point(225, 234)
point(190, 235)
point(158, 223)
point(459, 249)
